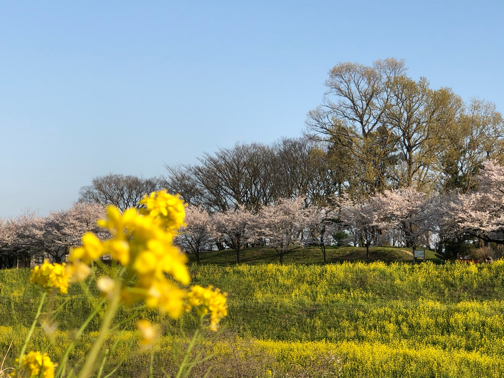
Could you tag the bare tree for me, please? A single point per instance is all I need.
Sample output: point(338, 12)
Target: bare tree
point(121, 191)
point(299, 172)
point(180, 179)
point(232, 177)
point(352, 113)
point(252, 175)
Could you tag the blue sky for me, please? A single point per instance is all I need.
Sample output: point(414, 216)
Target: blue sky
point(89, 88)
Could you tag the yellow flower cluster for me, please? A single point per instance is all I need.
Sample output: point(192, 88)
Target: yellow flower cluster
point(51, 275)
point(35, 364)
point(169, 208)
point(206, 300)
point(395, 359)
point(142, 240)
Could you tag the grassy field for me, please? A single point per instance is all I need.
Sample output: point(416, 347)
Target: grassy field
point(306, 319)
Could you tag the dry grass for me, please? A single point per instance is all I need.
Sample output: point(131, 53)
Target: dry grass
point(3, 371)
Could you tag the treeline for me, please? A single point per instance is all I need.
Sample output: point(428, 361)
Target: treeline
point(449, 223)
point(252, 175)
point(402, 217)
point(29, 235)
point(376, 130)
point(377, 135)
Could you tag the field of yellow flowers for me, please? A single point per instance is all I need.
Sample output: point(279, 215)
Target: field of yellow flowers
point(348, 320)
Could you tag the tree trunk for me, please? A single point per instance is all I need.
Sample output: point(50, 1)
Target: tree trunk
point(324, 253)
point(237, 255)
point(367, 252)
point(198, 262)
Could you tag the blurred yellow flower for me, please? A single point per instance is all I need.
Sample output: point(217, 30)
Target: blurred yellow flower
point(169, 208)
point(165, 296)
point(35, 364)
point(106, 286)
point(119, 250)
point(92, 248)
point(148, 333)
point(142, 241)
point(78, 271)
point(51, 275)
point(161, 258)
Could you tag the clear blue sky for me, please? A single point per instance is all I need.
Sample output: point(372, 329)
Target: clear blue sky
point(89, 88)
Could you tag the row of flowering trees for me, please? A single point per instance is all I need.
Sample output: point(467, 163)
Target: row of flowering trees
point(281, 226)
point(52, 236)
point(412, 218)
point(402, 217)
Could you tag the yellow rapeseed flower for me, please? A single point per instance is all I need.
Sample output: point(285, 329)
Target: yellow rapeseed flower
point(148, 333)
point(118, 250)
point(169, 208)
point(106, 286)
point(51, 275)
point(161, 258)
point(142, 241)
point(92, 248)
point(167, 297)
point(35, 364)
point(78, 271)
point(207, 300)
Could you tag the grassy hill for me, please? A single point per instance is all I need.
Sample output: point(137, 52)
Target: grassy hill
point(310, 255)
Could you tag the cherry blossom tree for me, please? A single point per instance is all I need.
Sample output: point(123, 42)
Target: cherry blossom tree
point(198, 233)
point(8, 254)
point(281, 225)
point(119, 190)
point(407, 211)
point(29, 231)
point(233, 228)
point(321, 227)
point(361, 218)
point(64, 229)
point(479, 213)
point(29, 234)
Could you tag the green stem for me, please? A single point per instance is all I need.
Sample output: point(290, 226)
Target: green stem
point(151, 364)
point(125, 355)
point(104, 329)
point(100, 371)
point(62, 362)
point(188, 351)
point(30, 333)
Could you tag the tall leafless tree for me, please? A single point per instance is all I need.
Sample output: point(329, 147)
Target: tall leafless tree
point(119, 190)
